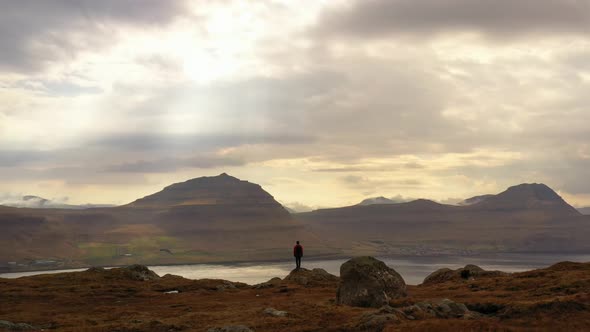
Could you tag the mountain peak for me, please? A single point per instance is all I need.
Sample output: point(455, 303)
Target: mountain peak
point(222, 189)
point(423, 203)
point(527, 196)
point(538, 191)
point(376, 200)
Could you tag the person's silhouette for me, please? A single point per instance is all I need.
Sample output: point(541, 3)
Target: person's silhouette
point(298, 253)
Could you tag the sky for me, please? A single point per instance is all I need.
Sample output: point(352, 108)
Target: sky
point(323, 103)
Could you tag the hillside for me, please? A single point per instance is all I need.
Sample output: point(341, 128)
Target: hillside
point(554, 299)
point(209, 219)
point(524, 218)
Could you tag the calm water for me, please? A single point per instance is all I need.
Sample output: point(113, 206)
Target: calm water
point(413, 270)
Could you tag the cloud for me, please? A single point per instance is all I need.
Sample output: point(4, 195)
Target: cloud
point(36, 33)
point(499, 19)
point(174, 164)
point(351, 102)
point(29, 201)
point(162, 142)
point(15, 158)
point(300, 207)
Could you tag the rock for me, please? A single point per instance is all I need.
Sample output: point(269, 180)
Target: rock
point(141, 272)
point(231, 328)
point(313, 277)
point(96, 269)
point(439, 276)
point(368, 282)
point(225, 285)
point(376, 321)
point(449, 309)
point(468, 272)
point(275, 312)
point(133, 272)
point(15, 326)
point(268, 284)
point(441, 309)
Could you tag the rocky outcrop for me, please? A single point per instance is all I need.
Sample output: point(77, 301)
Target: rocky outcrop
point(274, 312)
point(368, 282)
point(376, 321)
point(6, 325)
point(468, 272)
point(225, 284)
point(313, 277)
point(444, 308)
point(268, 284)
point(139, 272)
point(132, 272)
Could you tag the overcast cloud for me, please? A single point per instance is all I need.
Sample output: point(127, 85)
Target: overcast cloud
point(323, 104)
point(501, 19)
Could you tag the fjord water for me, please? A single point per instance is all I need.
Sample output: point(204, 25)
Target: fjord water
point(412, 269)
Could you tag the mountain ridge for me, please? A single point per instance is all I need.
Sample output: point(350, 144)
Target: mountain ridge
point(222, 218)
point(527, 196)
point(222, 189)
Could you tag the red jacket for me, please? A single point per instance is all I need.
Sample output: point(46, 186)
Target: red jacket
point(298, 250)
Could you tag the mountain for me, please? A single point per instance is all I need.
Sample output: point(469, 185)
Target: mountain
point(528, 196)
point(474, 200)
point(222, 218)
point(209, 191)
point(36, 202)
point(377, 200)
point(207, 219)
point(584, 210)
point(523, 218)
point(383, 200)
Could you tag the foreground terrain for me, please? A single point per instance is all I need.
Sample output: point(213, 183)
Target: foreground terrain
point(135, 299)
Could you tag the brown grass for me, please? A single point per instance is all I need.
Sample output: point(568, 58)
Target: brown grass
point(556, 299)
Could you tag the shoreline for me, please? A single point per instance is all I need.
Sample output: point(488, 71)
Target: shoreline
point(510, 259)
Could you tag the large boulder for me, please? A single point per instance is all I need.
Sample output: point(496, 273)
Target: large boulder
point(368, 282)
point(468, 272)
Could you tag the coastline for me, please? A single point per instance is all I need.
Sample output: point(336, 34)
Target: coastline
point(508, 260)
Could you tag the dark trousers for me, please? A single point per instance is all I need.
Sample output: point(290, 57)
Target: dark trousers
point(298, 261)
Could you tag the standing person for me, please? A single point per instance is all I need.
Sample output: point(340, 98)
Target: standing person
point(298, 253)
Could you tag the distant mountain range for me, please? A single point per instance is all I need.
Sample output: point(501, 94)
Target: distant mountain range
point(36, 202)
point(222, 218)
point(584, 210)
point(524, 218)
point(382, 200)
